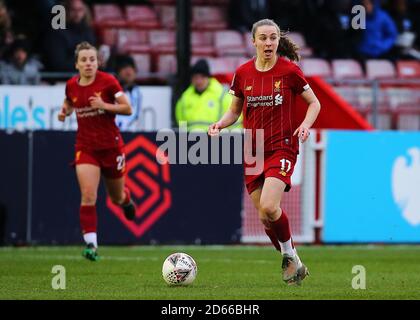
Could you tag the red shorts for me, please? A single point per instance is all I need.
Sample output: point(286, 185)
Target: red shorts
point(278, 164)
point(111, 161)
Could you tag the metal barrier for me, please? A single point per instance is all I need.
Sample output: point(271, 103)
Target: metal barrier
point(379, 96)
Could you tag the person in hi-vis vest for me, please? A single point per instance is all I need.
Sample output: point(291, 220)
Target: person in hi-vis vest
point(204, 101)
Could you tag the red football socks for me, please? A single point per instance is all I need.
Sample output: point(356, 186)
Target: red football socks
point(281, 228)
point(88, 220)
point(270, 233)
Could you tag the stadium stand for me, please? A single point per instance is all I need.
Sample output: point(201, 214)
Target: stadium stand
point(167, 16)
point(142, 17)
point(163, 2)
point(408, 69)
point(133, 41)
point(316, 67)
point(143, 64)
point(299, 39)
point(109, 36)
point(346, 68)
point(147, 32)
point(208, 18)
point(202, 43)
point(250, 49)
point(108, 15)
point(380, 69)
point(229, 42)
point(162, 41)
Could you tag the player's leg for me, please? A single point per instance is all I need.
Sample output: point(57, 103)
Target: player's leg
point(272, 193)
point(113, 169)
point(120, 195)
point(270, 211)
point(88, 176)
point(255, 197)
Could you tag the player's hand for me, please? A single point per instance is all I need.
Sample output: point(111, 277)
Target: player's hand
point(62, 115)
point(96, 103)
point(214, 129)
point(302, 132)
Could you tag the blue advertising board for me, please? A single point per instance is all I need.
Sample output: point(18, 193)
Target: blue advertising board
point(372, 187)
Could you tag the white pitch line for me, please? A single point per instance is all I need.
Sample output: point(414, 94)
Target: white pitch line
point(139, 259)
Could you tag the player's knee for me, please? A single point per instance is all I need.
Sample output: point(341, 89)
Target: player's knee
point(88, 197)
point(268, 211)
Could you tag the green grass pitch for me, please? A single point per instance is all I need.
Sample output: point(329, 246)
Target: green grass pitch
point(224, 272)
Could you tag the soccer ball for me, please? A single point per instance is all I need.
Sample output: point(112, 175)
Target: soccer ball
point(179, 269)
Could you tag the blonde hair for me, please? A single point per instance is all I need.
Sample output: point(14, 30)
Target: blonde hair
point(287, 47)
point(83, 46)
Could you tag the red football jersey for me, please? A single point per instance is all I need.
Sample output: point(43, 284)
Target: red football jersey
point(269, 101)
point(96, 128)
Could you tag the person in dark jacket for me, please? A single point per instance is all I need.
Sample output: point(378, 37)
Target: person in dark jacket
point(6, 32)
point(334, 19)
point(408, 30)
point(21, 68)
point(380, 34)
point(243, 13)
point(59, 44)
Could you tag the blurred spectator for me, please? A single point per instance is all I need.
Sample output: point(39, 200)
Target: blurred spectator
point(59, 45)
point(21, 68)
point(309, 11)
point(104, 55)
point(204, 101)
point(31, 20)
point(127, 74)
point(406, 25)
point(334, 20)
point(380, 34)
point(243, 13)
point(290, 15)
point(6, 35)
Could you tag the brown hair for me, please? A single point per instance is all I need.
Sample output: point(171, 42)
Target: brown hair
point(87, 19)
point(5, 20)
point(287, 47)
point(83, 46)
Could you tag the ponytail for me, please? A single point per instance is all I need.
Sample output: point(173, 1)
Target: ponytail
point(288, 48)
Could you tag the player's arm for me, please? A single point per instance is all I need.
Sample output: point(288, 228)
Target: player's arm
point(311, 114)
point(122, 105)
point(229, 118)
point(66, 110)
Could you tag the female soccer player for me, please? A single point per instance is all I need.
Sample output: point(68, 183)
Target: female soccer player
point(264, 90)
point(96, 97)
